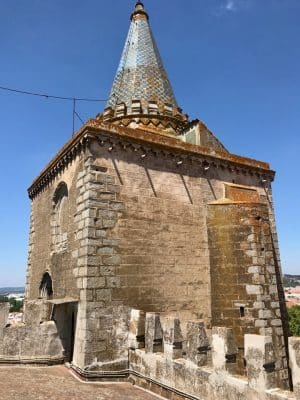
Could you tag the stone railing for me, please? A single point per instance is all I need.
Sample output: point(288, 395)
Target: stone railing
point(151, 108)
point(175, 357)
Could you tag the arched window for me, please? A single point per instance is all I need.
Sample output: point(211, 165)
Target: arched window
point(45, 288)
point(60, 217)
point(60, 192)
point(59, 201)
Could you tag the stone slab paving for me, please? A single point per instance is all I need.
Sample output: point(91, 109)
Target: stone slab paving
point(57, 383)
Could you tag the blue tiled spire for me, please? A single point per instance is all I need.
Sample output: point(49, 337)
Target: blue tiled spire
point(141, 74)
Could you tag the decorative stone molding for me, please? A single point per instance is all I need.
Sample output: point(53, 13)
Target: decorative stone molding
point(68, 153)
point(111, 135)
point(151, 115)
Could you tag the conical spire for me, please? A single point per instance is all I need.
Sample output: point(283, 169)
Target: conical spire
point(141, 86)
point(141, 74)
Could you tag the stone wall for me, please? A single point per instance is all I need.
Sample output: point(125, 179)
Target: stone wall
point(244, 280)
point(45, 253)
point(140, 223)
point(160, 229)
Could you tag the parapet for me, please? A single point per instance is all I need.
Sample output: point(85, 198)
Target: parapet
point(35, 341)
point(182, 358)
point(152, 115)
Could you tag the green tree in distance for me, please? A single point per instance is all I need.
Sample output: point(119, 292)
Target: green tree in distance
point(294, 320)
point(15, 305)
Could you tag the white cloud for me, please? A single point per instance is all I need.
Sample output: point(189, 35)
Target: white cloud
point(230, 5)
point(234, 5)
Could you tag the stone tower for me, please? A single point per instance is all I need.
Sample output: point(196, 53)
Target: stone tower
point(153, 252)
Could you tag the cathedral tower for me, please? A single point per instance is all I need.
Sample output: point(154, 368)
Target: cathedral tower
point(153, 252)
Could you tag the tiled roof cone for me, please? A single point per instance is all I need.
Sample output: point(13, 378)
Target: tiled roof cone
point(141, 86)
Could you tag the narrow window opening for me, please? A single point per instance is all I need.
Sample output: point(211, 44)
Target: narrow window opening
point(60, 218)
point(242, 312)
point(45, 288)
point(61, 192)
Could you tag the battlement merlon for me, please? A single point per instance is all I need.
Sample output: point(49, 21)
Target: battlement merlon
point(184, 356)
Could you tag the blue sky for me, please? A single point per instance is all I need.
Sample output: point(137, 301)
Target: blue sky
point(234, 64)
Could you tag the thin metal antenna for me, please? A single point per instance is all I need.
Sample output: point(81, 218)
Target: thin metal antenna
point(74, 107)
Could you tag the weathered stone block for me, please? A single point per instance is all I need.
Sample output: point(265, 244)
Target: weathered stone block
point(260, 358)
point(153, 333)
point(108, 223)
point(254, 289)
point(136, 337)
point(113, 281)
point(103, 295)
point(294, 350)
point(4, 312)
point(111, 260)
point(95, 282)
point(36, 312)
point(265, 314)
point(105, 250)
point(197, 344)
point(172, 336)
point(224, 349)
point(117, 206)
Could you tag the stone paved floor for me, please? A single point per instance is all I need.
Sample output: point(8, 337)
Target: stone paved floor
point(56, 383)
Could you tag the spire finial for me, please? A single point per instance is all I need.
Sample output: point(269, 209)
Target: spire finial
point(139, 10)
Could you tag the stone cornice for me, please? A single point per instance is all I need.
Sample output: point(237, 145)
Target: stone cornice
point(113, 135)
point(144, 121)
point(68, 152)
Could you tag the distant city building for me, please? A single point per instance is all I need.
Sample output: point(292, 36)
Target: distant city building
point(292, 295)
point(153, 252)
point(17, 296)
